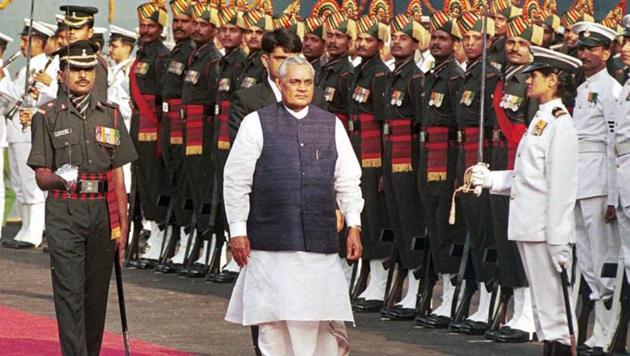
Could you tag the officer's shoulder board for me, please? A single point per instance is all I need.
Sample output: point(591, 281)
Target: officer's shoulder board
point(46, 108)
point(108, 104)
point(558, 112)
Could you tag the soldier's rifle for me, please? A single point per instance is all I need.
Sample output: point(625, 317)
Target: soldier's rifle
point(121, 302)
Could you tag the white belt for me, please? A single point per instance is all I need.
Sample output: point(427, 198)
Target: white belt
point(591, 146)
point(622, 149)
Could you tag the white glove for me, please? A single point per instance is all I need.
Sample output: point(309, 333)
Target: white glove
point(560, 255)
point(481, 176)
point(69, 173)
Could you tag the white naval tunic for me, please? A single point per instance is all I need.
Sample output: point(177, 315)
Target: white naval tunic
point(280, 286)
point(597, 241)
point(622, 152)
point(542, 189)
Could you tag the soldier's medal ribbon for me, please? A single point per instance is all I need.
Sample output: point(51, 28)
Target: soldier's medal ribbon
point(539, 127)
point(192, 77)
point(224, 84)
point(329, 93)
point(107, 136)
point(176, 68)
point(142, 68)
point(248, 82)
point(592, 97)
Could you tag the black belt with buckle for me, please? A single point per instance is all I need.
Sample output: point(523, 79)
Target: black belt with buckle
point(92, 186)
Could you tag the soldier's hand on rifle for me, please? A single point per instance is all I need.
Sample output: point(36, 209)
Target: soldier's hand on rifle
point(354, 249)
point(340, 220)
point(560, 255)
point(26, 117)
point(481, 176)
point(43, 78)
point(239, 245)
point(611, 214)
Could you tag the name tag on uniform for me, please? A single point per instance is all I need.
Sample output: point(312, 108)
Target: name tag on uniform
point(107, 135)
point(361, 94)
point(329, 93)
point(142, 68)
point(192, 76)
point(224, 84)
point(62, 132)
point(539, 127)
point(467, 97)
point(248, 82)
point(511, 102)
point(397, 98)
point(176, 68)
point(436, 99)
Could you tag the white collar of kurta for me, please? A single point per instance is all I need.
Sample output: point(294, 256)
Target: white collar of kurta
point(597, 76)
point(300, 114)
point(550, 105)
point(274, 89)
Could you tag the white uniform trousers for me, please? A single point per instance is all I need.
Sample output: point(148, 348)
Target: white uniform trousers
point(623, 221)
point(303, 338)
point(596, 244)
point(22, 176)
point(545, 287)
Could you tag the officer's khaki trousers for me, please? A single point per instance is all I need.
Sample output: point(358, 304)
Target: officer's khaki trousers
point(595, 245)
point(303, 338)
point(550, 314)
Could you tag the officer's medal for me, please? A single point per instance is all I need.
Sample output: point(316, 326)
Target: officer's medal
point(142, 68)
point(592, 97)
point(248, 82)
point(224, 84)
point(539, 127)
point(467, 97)
point(107, 136)
point(397, 98)
point(360, 94)
point(436, 99)
point(329, 93)
point(192, 77)
point(176, 68)
point(511, 102)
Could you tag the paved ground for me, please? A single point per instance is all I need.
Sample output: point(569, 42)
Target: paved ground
point(188, 315)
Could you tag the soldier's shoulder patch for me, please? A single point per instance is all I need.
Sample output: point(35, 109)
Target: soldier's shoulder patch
point(558, 112)
point(110, 104)
point(379, 74)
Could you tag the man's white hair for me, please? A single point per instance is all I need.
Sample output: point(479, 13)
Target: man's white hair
point(294, 60)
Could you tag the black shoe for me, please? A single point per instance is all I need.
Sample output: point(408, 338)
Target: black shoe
point(436, 322)
point(491, 334)
point(8, 243)
point(400, 313)
point(509, 335)
point(222, 277)
point(132, 263)
point(145, 263)
point(367, 306)
point(469, 327)
point(197, 270)
point(169, 267)
point(22, 245)
point(386, 313)
point(593, 351)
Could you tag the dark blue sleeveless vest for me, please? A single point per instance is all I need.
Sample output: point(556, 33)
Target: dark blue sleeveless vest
point(292, 203)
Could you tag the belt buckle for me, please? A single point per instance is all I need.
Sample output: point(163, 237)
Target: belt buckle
point(89, 186)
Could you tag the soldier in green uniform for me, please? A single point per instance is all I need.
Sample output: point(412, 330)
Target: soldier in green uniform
point(79, 147)
point(336, 75)
point(314, 44)
point(79, 21)
point(365, 136)
point(438, 160)
point(199, 98)
point(401, 111)
point(257, 23)
point(503, 11)
point(145, 88)
point(513, 111)
point(476, 210)
point(171, 132)
point(230, 68)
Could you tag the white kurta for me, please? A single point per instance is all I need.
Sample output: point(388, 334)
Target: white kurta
point(276, 286)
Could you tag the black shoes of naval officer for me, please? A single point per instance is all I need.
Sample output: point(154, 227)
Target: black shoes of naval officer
point(367, 306)
point(433, 321)
point(197, 270)
point(18, 245)
point(168, 267)
point(400, 313)
point(469, 327)
point(222, 277)
point(584, 350)
point(508, 335)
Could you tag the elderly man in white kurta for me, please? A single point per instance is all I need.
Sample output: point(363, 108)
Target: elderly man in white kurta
point(290, 166)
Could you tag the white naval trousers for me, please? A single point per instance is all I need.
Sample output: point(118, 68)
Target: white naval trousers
point(596, 244)
point(22, 176)
point(623, 221)
point(303, 338)
point(548, 306)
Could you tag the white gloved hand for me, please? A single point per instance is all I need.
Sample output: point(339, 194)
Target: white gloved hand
point(481, 176)
point(560, 255)
point(69, 173)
